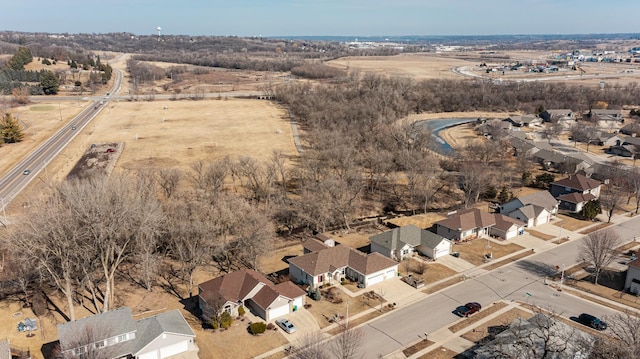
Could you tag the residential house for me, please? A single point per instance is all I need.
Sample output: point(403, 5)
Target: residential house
point(562, 115)
point(331, 265)
point(524, 120)
point(575, 191)
point(632, 281)
point(623, 151)
point(252, 290)
point(631, 129)
point(318, 243)
point(635, 141)
point(533, 209)
point(465, 224)
point(607, 116)
point(506, 227)
point(605, 138)
point(401, 242)
point(115, 334)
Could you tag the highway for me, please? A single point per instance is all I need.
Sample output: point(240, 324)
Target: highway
point(401, 327)
point(15, 180)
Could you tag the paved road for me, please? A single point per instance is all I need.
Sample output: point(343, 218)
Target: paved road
point(14, 181)
point(401, 327)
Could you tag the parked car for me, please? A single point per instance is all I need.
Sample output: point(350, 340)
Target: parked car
point(26, 172)
point(468, 309)
point(591, 321)
point(73, 128)
point(286, 325)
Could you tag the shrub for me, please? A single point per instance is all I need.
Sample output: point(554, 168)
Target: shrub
point(270, 326)
point(241, 310)
point(257, 328)
point(225, 320)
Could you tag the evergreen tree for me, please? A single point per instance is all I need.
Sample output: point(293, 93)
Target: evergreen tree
point(22, 57)
point(49, 82)
point(10, 129)
point(591, 210)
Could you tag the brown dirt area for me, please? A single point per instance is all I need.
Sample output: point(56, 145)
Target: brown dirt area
point(474, 251)
point(595, 228)
point(570, 223)
point(540, 235)
point(417, 347)
point(482, 331)
point(424, 220)
point(439, 353)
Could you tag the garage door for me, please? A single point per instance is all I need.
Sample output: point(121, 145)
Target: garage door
point(441, 252)
point(375, 279)
point(390, 274)
point(174, 349)
point(150, 355)
point(278, 312)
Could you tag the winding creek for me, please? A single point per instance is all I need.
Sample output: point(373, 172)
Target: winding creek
point(437, 125)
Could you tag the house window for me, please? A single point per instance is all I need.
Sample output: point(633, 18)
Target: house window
point(567, 189)
point(637, 281)
point(122, 338)
point(99, 345)
point(227, 308)
point(78, 351)
point(320, 278)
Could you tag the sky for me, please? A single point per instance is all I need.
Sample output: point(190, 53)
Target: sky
point(271, 18)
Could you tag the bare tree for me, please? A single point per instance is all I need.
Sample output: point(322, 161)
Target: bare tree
point(599, 250)
point(168, 179)
point(473, 179)
point(625, 328)
point(610, 199)
point(310, 346)
point(552, 130)
point(541, 336)
point(348, 343)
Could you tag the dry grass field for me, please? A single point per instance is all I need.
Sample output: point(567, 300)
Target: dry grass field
point(474, 251)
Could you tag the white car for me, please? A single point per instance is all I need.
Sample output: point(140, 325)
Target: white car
point(286, 325)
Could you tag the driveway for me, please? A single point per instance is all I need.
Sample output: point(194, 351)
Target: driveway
point(457, 264)
point(304, 322)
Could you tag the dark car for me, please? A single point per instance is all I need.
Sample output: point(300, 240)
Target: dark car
point(468, 309)
point(591, 321)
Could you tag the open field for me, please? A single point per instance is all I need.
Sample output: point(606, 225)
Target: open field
point(160, 134)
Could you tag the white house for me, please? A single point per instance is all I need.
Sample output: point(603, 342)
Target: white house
point(533, 209)
point(115, 334)
point(632, 282)
point(401, 242)
point(332, 264)
point(250, 289)
point(506, 227)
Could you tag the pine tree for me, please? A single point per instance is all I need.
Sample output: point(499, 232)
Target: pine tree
point(49, 82)
point(10, 129)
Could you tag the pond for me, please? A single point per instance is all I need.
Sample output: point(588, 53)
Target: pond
point(437, 125)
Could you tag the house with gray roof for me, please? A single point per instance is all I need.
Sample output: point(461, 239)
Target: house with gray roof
point(465, 225)
point(115, 334)
point(533, 209)
point(524, 120)
point(332, 264)
point(402, 242)
point(252, 290)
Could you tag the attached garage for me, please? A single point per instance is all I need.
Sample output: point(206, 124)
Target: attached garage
point(174, 349)
point(278, 311)
point(375, 279)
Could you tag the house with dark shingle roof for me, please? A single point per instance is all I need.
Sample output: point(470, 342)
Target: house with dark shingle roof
point(252, 290)
point(402, 242)
point(575, 191)
point(632, 281)
point(465, 224)
point(115, 334)
point(533, 209)
point(332, 264)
